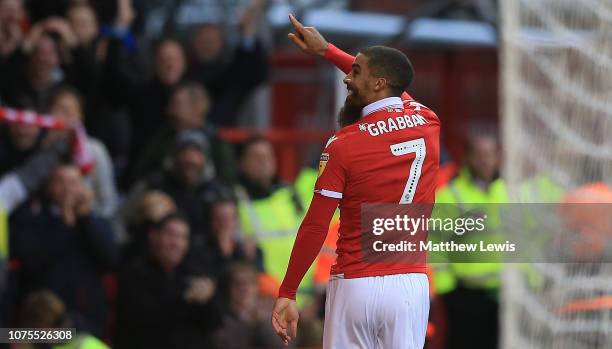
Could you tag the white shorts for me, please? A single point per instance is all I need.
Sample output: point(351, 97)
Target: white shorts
point(378, 312)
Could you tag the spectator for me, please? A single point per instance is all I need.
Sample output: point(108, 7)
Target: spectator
point(245, 320)
point(151, 207)
point(17, 143)
point(269, 210)
point(88, 50)
point(15, 187)
point(61, 245)
point(226, 243)
point(41, 9)
point(84, 22)
point(165, 301)
point(187, 110)
point(229, 76)
point(187, 181)
point(146, 98)
point(28, 78)
point(469, 290)
point(66, 103)
point(50, 55)
point(12, 15)
point(106, 122)
point(43, 309)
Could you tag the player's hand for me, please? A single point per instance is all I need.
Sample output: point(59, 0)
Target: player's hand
point(285, 317)
point(308, 39)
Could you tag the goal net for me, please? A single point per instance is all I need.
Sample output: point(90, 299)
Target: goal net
point(557, 125)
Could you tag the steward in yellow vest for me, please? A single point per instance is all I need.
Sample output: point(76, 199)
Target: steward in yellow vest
point(468, 285)
point(269, 210)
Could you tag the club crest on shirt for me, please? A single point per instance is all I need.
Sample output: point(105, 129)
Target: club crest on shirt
point(323, 162)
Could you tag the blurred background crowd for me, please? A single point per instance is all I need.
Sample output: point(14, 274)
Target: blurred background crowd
point(157, 157)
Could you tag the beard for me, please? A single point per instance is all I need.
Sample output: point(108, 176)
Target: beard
point(350, 113)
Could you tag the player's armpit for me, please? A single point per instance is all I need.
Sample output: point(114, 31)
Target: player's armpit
point(308, 243)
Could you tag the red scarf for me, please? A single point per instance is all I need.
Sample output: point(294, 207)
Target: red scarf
point(81, 152)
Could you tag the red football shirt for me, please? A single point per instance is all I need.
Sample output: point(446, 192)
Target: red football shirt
point(390, 156)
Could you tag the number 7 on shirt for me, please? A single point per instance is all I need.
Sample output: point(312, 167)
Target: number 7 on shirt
point(416, 146)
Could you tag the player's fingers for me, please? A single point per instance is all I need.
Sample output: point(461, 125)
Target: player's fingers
point(279, 326)
point(313, 31)
point(293, 332)
point(299, 28)
point(276, 323)
point(282, 335)
point(297, 41)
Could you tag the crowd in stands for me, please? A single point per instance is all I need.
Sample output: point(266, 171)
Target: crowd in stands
point(123, 213)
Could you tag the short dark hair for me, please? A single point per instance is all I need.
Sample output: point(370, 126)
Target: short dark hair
point(175, 216)
point(390, 64)
point(477, 132)
point(157, 44)
point(223, 196)
point(244, 146)
point(194, 88)
point(62, 90)
point(78, 4)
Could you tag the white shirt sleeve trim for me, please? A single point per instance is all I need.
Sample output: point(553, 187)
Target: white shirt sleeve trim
point(329, 193)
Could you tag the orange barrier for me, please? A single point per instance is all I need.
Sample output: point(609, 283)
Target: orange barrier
point(593, 304)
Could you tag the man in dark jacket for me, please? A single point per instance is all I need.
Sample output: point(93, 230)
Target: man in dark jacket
point(188, 181)
point(245, 320)
point(58, 244)
point(15, 187)
point(39, 65)
point(187, 110)
point(17, 143)
point(230, 75)
point(146, 99)
point(165, 300)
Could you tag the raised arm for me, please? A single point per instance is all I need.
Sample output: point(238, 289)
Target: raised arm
point(311, 42)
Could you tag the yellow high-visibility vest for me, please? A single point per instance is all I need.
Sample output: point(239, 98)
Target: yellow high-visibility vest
point(4, 243)
point(463, 193)
point(274, 222)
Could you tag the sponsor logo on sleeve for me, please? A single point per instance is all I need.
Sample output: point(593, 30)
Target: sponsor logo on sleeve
point(323, 162)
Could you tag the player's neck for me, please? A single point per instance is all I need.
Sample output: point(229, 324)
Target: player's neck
point(380, 96)
point(380, 103)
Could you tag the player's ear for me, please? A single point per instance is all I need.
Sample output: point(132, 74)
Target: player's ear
point(380, 84)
